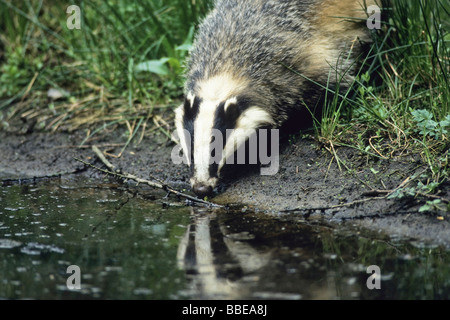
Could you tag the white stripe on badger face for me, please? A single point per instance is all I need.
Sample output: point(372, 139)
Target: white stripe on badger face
point(203, 127)
point(212, 90)
point(185, 142)
point(221, 87)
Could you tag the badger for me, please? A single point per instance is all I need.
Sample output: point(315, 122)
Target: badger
point(263, 64)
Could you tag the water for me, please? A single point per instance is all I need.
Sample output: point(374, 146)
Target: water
point(127, 247)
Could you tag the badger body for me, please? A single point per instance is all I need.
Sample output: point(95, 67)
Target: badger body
point(262, 64)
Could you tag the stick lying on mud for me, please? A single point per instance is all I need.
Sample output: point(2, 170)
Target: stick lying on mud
point(157, 184)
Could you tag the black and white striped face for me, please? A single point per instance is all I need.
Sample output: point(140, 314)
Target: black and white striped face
point(210, 133)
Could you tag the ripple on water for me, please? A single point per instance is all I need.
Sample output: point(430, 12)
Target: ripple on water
point(34, 248)
point(9, 244)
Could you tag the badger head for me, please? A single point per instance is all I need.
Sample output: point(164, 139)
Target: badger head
point(210, 133)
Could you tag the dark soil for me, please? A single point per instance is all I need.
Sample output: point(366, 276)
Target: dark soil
point(309, 184)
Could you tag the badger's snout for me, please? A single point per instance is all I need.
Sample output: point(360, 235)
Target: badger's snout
point(204, 187)
point(202, 190)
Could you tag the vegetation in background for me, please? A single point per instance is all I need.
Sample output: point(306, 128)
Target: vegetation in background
point(401, 105)
point(124, 62)
point(124, 67)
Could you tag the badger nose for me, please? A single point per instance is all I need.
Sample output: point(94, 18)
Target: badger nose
point(202, 191)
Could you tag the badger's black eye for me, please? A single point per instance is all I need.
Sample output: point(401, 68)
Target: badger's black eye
point(226, 116)
point(228, 113)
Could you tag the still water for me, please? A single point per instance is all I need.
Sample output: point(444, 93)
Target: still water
point(128, 247)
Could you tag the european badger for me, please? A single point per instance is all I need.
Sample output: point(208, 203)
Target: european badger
point(262, 63)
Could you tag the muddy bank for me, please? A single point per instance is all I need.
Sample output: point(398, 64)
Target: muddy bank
point(309, 185)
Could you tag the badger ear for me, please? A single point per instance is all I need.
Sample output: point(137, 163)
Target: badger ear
point(231, 108)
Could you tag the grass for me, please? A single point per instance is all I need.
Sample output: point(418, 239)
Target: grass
point(124, 67)
point(122, 64)
point(401, 105)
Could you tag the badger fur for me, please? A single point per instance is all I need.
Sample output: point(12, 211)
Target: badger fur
point(263, 63)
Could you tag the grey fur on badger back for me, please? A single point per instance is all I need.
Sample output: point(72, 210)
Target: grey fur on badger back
point(256, 63)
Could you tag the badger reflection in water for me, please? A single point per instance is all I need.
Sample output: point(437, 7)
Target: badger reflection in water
point(236, 255)
point(220, 262)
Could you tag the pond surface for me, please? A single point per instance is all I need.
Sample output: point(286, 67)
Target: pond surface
point(126, 247)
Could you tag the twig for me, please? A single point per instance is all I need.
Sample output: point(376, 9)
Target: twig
point(370, 142)
point(111, 167)
point(87, 146)
point(102, 157)
point(157, 185)
point(432, 196)
point(386, 192)
point(30, 85)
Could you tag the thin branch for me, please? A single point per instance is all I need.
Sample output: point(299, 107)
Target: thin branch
point(157, 185)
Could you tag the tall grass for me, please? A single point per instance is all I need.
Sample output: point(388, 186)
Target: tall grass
point(400, 101)
point(127, 54)
point(416, 55)
point(411, 57)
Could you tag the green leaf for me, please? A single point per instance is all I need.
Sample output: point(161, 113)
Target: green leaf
point(184, 47)
point(424, 208)
point(422, 115)
point(446, 122)
point(154, 66)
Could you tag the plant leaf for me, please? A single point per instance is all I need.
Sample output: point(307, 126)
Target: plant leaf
point(154, 66)
point(184, 47)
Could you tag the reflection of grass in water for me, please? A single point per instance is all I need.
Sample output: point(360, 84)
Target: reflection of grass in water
point(408, 272)
point(126, 251)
